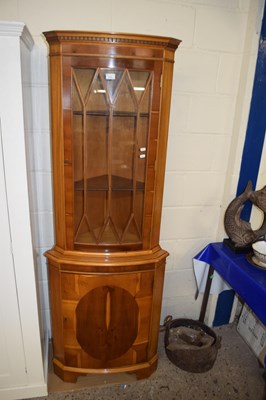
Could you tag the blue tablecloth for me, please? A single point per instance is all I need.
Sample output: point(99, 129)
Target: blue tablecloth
point(247, 280)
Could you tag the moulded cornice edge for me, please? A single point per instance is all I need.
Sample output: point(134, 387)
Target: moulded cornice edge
point(19, 29)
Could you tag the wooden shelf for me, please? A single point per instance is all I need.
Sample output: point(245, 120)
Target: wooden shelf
point(100, 183)
point(115, 114)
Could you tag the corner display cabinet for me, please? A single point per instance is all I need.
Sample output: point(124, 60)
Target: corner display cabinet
point(110, 100)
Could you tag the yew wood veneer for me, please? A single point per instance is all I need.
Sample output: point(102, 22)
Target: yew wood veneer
point(110, 101)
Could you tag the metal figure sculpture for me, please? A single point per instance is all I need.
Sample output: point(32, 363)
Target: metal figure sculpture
point(238, 230)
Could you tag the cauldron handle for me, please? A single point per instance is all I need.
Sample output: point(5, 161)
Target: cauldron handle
point(166, 322)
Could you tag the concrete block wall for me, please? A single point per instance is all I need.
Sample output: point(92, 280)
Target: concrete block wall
point(212, 86)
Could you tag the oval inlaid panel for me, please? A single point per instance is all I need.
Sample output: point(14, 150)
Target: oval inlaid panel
point(107, 322)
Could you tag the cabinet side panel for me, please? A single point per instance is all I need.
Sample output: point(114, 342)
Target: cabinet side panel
point(56, 312)
point(57, 149)
point(156, 309)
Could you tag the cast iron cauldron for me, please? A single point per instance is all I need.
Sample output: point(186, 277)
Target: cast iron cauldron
point(194, 358)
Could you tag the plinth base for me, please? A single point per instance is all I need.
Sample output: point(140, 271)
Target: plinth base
point(71, 374)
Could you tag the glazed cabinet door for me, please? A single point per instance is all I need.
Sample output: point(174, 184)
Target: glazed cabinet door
point(112, 115)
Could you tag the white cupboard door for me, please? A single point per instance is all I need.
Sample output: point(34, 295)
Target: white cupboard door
point(12, 360)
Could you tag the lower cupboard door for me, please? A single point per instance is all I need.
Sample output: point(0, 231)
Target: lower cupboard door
point(107, 319)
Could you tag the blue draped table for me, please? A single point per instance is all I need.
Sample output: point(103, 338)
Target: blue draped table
point(247, 280)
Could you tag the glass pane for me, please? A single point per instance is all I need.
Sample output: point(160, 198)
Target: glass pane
point(79, 207)
point(96, 205)
point(77, 121)
point(92, 224)
point(125, 101)
point(109, 233)
point(139, 80)
point(142, 136)
point(138, 209)
point(144, 106)
point(143, 131)
point(131, 234)
point(84, 233)
point(121, 210)
point(97, 99)
point(123, 151)
point(112, 78)
point(97, 148)
point(84, 78)
point(77, 105)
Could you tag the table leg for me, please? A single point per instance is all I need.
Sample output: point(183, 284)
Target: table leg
point(264, 393)
point(206, 294)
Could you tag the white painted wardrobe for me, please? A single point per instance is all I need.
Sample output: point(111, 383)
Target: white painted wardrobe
point(22, 372)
